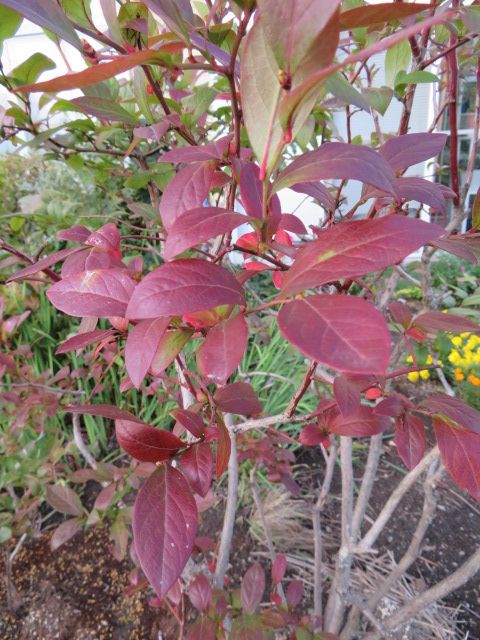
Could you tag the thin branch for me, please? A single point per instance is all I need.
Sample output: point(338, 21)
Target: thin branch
point(369, 475)
point(79, 441)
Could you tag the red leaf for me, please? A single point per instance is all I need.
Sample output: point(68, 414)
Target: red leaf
point(424, 191)
point(311, 435)
point(222, 350)
point(94, 74)
point(146, 443)
point(200, 593)
point(187, 190)
point(460, 452)
point(199, 225)
point(347, 396)
point(238, 398)
point(352, 249)
point(105, 497)
point(90, 259)
point(317, 191)
point(445, 322)
point(341, 161)
point(202, 629)
point(294, 593)
point(367, 16)
point(164, 525)
point(77, 233)
point(252, 588)
point(290, 222)
point(84, 340)
point(64, 499)
point(64, 532)
point(197, 466)
point(43, 264)
point(213, 151)
point(191, 421)
point(410, 439)
point(364, 423)
point(400, 313)
point(393, 406)
point(100, 293)
point(141, 346)
point(170, 345)
point(343, 332)
point(104, 411)
point(279, 568)
point(453, 410)
point(224, 448)
point(466, 247)
point(107, 238)
point(184, 286)
point(405, 151)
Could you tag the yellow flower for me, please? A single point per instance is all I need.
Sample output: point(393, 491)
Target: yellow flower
point(465, 334)
point(409, 359)
point(457, 341)
point(454, 357)
point(425, 374)
point(413, 376)
point(459, 375)
point(440, 362)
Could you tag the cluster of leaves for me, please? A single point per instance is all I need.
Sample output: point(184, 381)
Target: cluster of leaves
point(271, 69)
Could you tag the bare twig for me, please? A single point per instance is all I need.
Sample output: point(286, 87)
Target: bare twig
point(79, 441)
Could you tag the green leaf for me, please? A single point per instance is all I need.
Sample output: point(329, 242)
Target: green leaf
point(28, 71)
point(416, 77)
point(78, 11)
point(378, 98)
point(16, 223)
point(141, 96)
point(344, 91)
point(105, 109)
point(476, 211)
point(5, 534)
point(9, 22)
point(397, 59)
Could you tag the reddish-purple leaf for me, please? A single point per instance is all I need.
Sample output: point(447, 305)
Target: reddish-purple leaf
point(400, 313)
point(43, 264)
point(466, 247)
point(77, 233)
point(84, 340)
point(356, 248)
point(311, 435)
point(252, 588)
point(141, 346)
point(293, 29)
point(342, 161)
point(410, 439)
point(437, 321)
point(64, 499)
point(202, 629)
point(200, 593)
point(191, 421)
point(238, 398)
point(170, 345)
point(393, 406)
point(290, 222)
point(317, 191)
point(279, 567)
point(187, 190)
point(405, 151)
point(184, 286)
point(177, 14)
point(64, 532)
point(200, 153)
point(453, 410)
point(294, 593)
point(224, 448)
point(90, 260)
point(431, 193)
point(100, 293)
point(363, 423)
point(343, 332)
point(164, 526)
point(105, 497)
point(107, 238)
point(104, 411)
point(48, 15)
point(199, 225)
point(197, 466)
point(460, 452)
point(347, 396)
point(367, 16)
point(157, 130)
point(146, 443)
point(222, 350)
